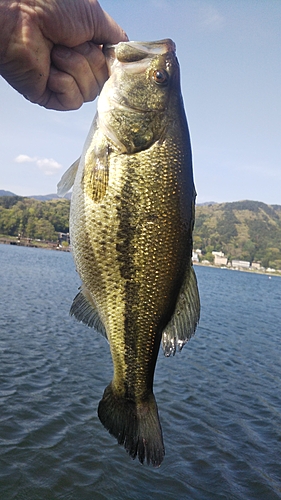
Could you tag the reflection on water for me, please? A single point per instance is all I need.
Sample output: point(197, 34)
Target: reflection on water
point(219, 399)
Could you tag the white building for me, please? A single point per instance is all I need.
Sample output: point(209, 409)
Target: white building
point(220, 260)
point(218, 254)
point(240, 264)
point(195, 257)
point(255, 265)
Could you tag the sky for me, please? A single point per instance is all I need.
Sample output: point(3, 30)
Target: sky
point(230, 58)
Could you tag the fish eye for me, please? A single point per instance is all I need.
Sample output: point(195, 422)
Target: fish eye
point(160, 76)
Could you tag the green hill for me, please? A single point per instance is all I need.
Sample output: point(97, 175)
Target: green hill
point(33, 218)
point(244, 230)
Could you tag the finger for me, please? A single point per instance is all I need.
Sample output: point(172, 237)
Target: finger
point(62, 92)
point(96, 60)
point(86, 64)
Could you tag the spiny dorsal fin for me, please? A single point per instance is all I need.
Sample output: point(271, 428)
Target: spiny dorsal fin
point(68, 178)
point(84, 310)
point(185, 318)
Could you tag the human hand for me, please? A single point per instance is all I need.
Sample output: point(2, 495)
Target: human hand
point(51, 50)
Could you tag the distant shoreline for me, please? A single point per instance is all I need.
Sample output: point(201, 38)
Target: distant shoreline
point(54, 246)
point(249, 271)
point(47, 245)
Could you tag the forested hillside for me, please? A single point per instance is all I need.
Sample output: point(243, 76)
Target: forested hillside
point(245, 230)
point(32, 218)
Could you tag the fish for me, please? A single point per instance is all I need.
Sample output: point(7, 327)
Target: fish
point(131, 222)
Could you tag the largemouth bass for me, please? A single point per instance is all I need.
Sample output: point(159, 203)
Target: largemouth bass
point(131, 222)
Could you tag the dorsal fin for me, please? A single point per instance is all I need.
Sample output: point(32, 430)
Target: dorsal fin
point(68, 178)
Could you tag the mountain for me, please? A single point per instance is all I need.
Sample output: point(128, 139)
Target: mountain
point(206, 203)
point(244, 230)
point(6, 193)
point(47, 197)
point(40, 197)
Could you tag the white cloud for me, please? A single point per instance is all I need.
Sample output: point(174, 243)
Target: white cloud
point(24, 159)
point(211, 18)
point(48, 165)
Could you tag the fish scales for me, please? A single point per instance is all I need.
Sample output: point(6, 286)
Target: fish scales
point(138, 250)
point(132, 215)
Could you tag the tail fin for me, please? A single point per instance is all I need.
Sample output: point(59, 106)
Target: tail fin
point(137, 426)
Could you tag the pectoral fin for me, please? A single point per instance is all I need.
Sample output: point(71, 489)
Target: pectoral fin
point(84, 310)
point(96, 172)
point(68, 178)
point(185, 318)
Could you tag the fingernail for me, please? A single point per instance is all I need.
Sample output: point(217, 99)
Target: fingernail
point(62, 51)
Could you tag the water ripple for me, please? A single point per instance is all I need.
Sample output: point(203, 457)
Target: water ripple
point(219, 400)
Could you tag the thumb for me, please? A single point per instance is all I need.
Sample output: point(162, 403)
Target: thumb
point(106, 30)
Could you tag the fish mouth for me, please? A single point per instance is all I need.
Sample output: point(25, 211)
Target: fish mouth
point(140, 53)
point(142, 49)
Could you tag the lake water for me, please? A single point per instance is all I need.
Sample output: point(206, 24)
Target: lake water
point(219, 399)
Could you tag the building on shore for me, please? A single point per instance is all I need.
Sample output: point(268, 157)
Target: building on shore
point(240, 264)
point(219, 259)
point(63, 237)
point(195, 256)
point(256, 265)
